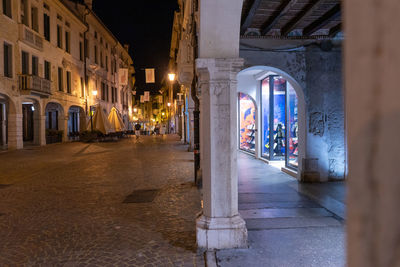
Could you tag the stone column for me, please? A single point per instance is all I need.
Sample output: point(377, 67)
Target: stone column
point(42, 130)
point(372, 60)
point(220, 225)
point(65, 134)
point(15, 138)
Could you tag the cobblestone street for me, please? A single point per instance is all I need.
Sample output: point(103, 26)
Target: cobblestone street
point(63, 205)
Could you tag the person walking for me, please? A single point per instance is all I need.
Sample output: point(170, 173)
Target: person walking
point(137, 130)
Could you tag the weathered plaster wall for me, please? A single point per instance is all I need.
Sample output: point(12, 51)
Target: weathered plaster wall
point(324, 99)
point(319, 73)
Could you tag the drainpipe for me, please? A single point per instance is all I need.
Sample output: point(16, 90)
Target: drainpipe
point(196, 112)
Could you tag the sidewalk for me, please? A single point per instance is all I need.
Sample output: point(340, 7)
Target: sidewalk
point(289, 224)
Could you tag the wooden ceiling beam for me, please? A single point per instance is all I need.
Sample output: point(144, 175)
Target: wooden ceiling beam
point(335, 30)
point(250, 15)
point(332, 14)
point(308, 9)
point(282, 10)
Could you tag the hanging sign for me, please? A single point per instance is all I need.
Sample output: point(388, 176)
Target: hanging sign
point(150, 76)
point(123, 76)
point(141, 98)
point(146, 96)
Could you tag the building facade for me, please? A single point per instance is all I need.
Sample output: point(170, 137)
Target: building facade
point(57, 62)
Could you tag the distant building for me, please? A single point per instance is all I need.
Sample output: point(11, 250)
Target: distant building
point(57, 61)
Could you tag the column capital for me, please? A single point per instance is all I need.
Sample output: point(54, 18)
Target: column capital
point(217, 66)
point(217, 71)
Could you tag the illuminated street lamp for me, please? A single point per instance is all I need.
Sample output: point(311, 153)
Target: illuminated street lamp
point(94, 92)
point(171, 77)
point(169, 116)
point(135, 110)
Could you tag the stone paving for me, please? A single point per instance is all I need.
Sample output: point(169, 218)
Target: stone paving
point(62, 205)
point(289, 224)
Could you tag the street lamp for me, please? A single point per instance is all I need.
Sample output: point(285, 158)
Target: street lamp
point(171, 76)
point(135, 110)
point(169, 116)
point(94, 92)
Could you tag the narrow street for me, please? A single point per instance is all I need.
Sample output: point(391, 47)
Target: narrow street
point(63, 205)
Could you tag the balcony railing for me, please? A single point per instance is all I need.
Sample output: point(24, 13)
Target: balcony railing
point(35, 84)
point(30, 37)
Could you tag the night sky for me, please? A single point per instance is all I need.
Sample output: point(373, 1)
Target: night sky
point(145, 25)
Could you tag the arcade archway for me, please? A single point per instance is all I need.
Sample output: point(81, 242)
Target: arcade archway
point(278, 134)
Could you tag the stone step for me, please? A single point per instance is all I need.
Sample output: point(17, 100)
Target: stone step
point(284, 213)
point(284, 223)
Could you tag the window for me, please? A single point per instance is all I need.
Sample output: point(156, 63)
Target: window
point(101, 59)
point(96, 60)
point(46, 26)
point(116, 95)
point(68, 82)
point(112, 94)
point(112, 66)
point(7, 60)
point(34, 19)
point(106, 63)
point(95, 35)
point(7, 8)
point(35, 65)
point(103, 91)
point(60, 80)
point(59, 36)
point(25, 63)
point(67, 42)
point(107, 95)
point(82, 88)
point(47, 70)
point(80, 51)
point(24, 12)
point(86, 48)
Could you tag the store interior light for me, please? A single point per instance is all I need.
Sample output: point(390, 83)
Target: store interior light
point(171, 77)
point(163, 113)
point(169, 104)
point(94, 92)
point(135, 110)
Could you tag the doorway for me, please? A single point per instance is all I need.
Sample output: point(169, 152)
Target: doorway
point(27, 122)
point(279, 105)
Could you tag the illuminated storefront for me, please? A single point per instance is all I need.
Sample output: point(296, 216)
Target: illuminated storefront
point(279, 111)
point(247, 123)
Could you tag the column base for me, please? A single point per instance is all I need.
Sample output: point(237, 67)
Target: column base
point(221, 233)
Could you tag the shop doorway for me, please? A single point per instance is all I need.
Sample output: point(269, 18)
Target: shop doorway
point(76, 122)
point(28, 122)
point(279, 121)
point(54, 123)
point(247, 123)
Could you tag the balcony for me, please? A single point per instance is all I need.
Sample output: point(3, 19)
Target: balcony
point(31, 84)
point(30, 37)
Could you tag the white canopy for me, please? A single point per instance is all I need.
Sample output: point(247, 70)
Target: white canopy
point(116, 121)
point(100, 122)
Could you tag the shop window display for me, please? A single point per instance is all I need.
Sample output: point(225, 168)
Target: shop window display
point(293, 128)
point(247, 123)
point(279, 110)
point(265, 117)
